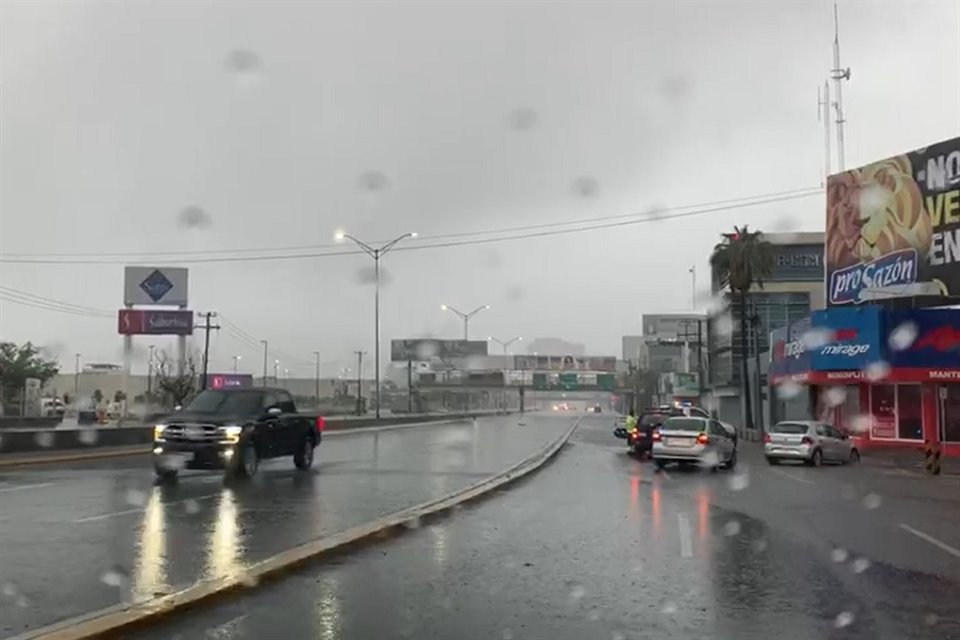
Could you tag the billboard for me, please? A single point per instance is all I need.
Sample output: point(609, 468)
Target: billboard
point(155, 286)
point(565, 363)
point(426, 349)
point(673, 327)
point(893, 229)
point(154, 322)
point(852, 338)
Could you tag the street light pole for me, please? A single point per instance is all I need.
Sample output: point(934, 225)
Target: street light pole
point(264, 342)
point(236, 359)
point(376, 253)
point(506, 345)
point(693, 286)
point(316, 392)
point(465, 317)
point(76, 375)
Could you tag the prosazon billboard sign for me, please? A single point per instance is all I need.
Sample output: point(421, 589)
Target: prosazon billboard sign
point(893, 229)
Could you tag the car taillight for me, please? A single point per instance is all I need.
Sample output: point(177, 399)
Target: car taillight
point(702, 439)
point(656, 436)
point(806, 440)
point(766, 437)
point(321, 423)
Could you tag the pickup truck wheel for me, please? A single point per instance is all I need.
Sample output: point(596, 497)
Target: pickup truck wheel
point(303, 458)
point(165, 475)
point(246, 463)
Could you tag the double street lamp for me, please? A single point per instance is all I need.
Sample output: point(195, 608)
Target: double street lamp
point(375, 253)
point(465, 317)
point(505, 345)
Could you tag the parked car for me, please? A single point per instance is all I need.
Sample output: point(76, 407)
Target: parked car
point(810, 442)
point(694, 440)
point(233, 430)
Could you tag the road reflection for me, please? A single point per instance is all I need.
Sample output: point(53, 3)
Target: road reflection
point(149, 575)
point(329, 619)
point(223, 546)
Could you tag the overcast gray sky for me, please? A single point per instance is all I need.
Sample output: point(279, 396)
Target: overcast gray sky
point(439, 117)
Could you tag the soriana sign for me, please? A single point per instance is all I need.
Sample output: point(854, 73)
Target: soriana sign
point(893, 229)
point(135, 322)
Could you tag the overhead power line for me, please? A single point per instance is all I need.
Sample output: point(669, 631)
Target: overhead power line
point(467, 238)
point(27, 299)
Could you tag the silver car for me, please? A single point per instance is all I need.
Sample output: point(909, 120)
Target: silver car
point(809, 441)
point(689, 439)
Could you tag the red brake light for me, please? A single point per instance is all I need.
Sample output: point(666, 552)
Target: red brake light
point(806, 440)
point(766, 437)
point(321, 423)
point(656, 436)
point(702, 439)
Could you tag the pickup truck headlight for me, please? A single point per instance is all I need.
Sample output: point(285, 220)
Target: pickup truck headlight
point(231, 433)
point(158, 431)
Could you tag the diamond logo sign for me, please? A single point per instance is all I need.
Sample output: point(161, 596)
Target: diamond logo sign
point(156, 285)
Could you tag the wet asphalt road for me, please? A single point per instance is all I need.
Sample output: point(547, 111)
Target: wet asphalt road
point(596, 546)
point(67, 531)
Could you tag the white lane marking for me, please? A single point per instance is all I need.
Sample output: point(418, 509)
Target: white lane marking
point(686, 546)
point(937, 543)
point(780, 472)
point(104, 516)
point(26, 486)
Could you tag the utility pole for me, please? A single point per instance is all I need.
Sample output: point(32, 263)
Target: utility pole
point(150, 372)
point(207, 328)
point(409, 386)
point(839, 75)
point(755, 323)
point(360, 355)
point(693, 285)
point(316, 392)
point(264, 343)
point(76, 376)
point(236, 361)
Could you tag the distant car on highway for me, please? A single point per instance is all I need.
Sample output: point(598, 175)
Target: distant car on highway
point(810, 442)
point(233, 430)
point(694, 440)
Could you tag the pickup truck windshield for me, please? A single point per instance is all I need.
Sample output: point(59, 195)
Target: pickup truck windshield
point(227, 403)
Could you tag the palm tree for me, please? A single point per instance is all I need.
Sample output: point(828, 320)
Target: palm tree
point(742, 260)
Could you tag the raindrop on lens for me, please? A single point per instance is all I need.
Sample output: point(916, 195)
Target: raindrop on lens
point(835, 396)
point(593, 614)
point(9, 589)
point(903, 336)
point(87, 436)
point(618, 635)
point(860, 565)
point(244, 66)
point(135, 498)
point(507, 634)
point(871, 501)
point(732, 528)
point(847, 492)
point(193, 217)
point(373, 181)
point(577, 593)
point(839, 555)
point(788, 389)
point(723, 325)
point(844, 619)
point(669, 608)
point(248, 580)
point(760, 545)
point(739, 480)
point(22, 602)
point(586, 187)
point(44, 439)
point(522, 119)
point(114, 577)
point(931, 619)
point(710, 459)
point(191, 507)
point(860, 424)
point(816, 339)
point(412, 523)
point(877, 371)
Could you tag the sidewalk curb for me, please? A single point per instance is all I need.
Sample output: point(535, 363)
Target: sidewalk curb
point(145, 449)
point(108, 623)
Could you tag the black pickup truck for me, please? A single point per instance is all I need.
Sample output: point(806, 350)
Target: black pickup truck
point(233, 430)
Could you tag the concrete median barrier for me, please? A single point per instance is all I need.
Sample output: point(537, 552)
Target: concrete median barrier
point(20, 447)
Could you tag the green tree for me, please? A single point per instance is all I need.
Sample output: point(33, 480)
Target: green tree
point(97, 396)
point(119, 396)
point(17, 364)
point(743, 260)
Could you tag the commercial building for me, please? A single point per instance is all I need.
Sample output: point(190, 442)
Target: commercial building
point(789, 293)
point(555, 347)
point(674, 341)
point(883, 360)
point(633, 350)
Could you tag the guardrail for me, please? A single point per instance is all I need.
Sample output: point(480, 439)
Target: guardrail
point(45, 440)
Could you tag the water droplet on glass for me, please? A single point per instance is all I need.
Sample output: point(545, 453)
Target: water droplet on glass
point(860, 565)
point(877, 370)
point(367, 274)
point(9, 589)
point(843, 619)
point(586, 187)
point(248, 580)
point(22, 601)
point(860, 424)
point(710, 458)
point(507, 634)
point(522, 119)
point(193, 217)
point(723, 325)
point(835, 396)
point(669, 608)
point(788, 389)
point(871, 501)
point(839, 555)
point(515, 293)
point(618, 635)
point(739, 479)
point(577, 593)
point(192, 507)
point(760, 545)
point(931, 619)
point(655, 212)
point(847, 492)
point(903, 336)
point(88, 436)
point(711, 402)
point(732, 528)
point(373, 181)
point(135, 498)
point(816, 338)
point(171, 462)
point(44, 439)
point(412, 523)
point(593, 615)
point(244, 66)
point(116, 576)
